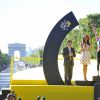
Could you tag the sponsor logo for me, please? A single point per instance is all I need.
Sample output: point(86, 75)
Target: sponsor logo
point(65, 25)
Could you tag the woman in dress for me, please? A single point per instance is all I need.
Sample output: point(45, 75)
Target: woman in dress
point(85, 57)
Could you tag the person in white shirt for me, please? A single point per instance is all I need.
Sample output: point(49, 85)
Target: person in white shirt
point(98, 47)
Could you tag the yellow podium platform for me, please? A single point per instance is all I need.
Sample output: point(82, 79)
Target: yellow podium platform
point(28, 90)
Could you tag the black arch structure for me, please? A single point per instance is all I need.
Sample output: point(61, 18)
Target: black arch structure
point(51, 50)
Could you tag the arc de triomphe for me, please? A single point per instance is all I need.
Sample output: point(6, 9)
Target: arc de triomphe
point(17, 46)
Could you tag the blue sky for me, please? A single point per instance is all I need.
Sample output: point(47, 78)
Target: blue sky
point(30, 21)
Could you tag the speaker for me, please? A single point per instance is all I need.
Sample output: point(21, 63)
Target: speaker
point(96, 79)
point(97, 91)
point(84, 83)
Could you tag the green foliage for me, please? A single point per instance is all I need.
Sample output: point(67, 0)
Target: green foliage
point(94, 19)
point(35, 55)
point(4, 60)
point(74, 35)
point(38, 56)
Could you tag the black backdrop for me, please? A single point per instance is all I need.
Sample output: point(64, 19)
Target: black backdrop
point(51, 50)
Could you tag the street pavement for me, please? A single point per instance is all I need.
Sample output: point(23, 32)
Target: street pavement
point(38, 74)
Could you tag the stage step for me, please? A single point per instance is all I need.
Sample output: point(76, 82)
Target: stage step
point(84, 83)
point(96, 79)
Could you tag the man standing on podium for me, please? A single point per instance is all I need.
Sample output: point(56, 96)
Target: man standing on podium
point(68, 54)
point(98, 47)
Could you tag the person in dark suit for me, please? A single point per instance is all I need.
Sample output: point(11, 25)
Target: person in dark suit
point(68, 54)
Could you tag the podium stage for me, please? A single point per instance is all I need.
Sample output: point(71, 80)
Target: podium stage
point(28, 91)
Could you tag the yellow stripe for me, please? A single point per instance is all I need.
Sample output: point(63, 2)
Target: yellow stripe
point(37, 58)
point(29, 82)
point(11, 70)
